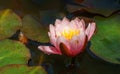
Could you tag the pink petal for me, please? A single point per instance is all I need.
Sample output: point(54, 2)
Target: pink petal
point(48, 49)
point(58, 21)
point(80, 23)
point(65, 21)
point(52, 35)
point(62, 40)
point(73, 24)
point(65, 46)
point(59, 25)
point(90, 30)
point(78, 43)
point(83, 23)
point(58, 30)
point(52, 29)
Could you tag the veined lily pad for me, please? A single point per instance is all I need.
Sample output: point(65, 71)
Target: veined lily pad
point(21, 69)
point(106, 42)
point(34, 30)
point(9, 23)
point(13, 52)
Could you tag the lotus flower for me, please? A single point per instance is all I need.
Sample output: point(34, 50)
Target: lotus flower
point(68, 37)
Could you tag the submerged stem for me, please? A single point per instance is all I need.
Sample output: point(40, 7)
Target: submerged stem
point(72, 68)
point(73, 60)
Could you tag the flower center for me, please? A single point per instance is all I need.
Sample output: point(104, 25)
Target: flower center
point(69, 33)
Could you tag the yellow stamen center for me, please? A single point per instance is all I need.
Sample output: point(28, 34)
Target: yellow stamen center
point(69, 33)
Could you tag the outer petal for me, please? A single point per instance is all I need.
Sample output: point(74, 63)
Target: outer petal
point(52, 29)
point(83, 23)
point(57, 22)
point(64, 46)
point(79, 23)
point(90, 30)
point(48, 49)
point(73, 24)
point(78, 43)
point(65, 21)
point(52, 34)
point(59, 25)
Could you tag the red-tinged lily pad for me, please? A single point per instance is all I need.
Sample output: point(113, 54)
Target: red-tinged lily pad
point(13, 52)
point(22, 69)
point(9, 23)
point(103, 7)
point(106, 41)
point(34, 30)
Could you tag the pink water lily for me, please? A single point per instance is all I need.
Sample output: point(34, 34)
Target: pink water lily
point(68, 37)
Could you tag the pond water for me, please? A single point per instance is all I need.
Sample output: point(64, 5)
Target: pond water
point(47, 11)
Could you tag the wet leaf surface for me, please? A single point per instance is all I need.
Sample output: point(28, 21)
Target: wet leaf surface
point(106, 42)
point(9, 23)
point(22, 69)
point(13, 52)
point(34, 30)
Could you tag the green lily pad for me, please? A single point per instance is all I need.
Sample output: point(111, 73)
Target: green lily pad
point(34, 30)
point(9, 23)
point(13, 52)
point(21, 69)
point(106, 42)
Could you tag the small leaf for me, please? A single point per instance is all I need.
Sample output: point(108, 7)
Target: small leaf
point(13, 52)
point(106, 42)
point(9, 23)
point(22, 69)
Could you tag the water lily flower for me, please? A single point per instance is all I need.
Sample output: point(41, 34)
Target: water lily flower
point(68, 37)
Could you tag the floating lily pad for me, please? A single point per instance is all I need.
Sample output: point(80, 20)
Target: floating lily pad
point(106, 42)
point(34, 30)
point(96, 6)
point(21, 69)
point(9, 23)
point(13, 52)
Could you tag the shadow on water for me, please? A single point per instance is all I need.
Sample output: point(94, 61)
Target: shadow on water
point(118, 59)
point(57, 64)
